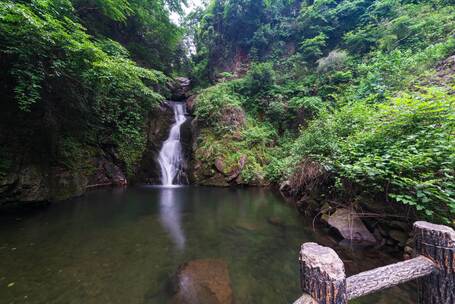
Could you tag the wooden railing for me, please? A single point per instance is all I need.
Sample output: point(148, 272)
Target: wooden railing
point(323, 279)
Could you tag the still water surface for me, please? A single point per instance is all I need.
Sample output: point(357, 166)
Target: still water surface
point(125, 245)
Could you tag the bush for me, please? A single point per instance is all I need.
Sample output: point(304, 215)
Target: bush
point(334, 61)
point(212, 103)
point(54, 67)
point(259, 78)
point(403, 149)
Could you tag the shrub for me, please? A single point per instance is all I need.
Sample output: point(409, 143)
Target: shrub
point(259, 78)
point(403, 148)
point(334, 61)
point(216, 101)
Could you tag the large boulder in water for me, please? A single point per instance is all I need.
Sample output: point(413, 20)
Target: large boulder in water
point(350, 226)
point(203, 282)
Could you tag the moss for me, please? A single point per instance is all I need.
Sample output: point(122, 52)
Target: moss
point(253, 141)
point(6, 162)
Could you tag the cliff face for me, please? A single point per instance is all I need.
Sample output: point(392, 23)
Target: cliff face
point(40, 161)
point(157, 129)
point(36, 175)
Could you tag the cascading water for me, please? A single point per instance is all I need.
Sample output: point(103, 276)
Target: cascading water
point(171, 157)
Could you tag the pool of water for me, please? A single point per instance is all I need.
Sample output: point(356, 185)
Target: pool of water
point(126, 245)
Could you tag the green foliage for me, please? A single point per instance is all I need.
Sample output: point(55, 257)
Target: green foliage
point(75, 156)
point(404, 149)
point(312, 48)
point(53, 66)
point(252, 142)
point(143, 27)
point(260, 77)
point(212, 102)
point(344, 90)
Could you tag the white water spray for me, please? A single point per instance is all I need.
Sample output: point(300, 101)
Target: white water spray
point(170, 157)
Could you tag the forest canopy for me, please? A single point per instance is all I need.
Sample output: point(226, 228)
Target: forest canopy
point(82, 73)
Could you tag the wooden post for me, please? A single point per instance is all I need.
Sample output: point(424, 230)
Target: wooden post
point(388, 276)
point(322, 274)
point(437, 243)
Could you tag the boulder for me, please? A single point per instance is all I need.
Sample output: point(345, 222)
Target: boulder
point(38, 184)
point(180, 88)
point(219, 165)
point(158, 124)
point(350, 226)
point(404, 226)
point(203, 282)
point(237, 170)
point(190, 103)
point(232, 117)
point(286, 189)
point(400, 236)
point(66, 184)
point(25, 185)
point(106, 173)
point(276, 221)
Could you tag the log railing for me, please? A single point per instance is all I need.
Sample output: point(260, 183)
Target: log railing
point(323, 279)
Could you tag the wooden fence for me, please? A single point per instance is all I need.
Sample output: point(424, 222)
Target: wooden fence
point(323, 279)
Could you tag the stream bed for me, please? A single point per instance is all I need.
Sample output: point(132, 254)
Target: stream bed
point(126, 246)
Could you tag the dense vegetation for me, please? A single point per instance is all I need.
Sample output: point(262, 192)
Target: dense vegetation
point(77, 76)
point(357, 96)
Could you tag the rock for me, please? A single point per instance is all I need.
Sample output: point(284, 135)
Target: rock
point(350, 226)
point(190, 102)
point(66, 184)
point(390, 242)
point(377, 234)
point(25, 185)
point(219, 165)
point(219, 174)
point(276, 221)
point(325, 212)
point(400, 236)
point(233, 117)
point(444, 75)
point(159, 122)
point(285, 189)
point(118, 178)
point(408, 250)
point(382, 231)
point(245, 225)
point(38, 184)
point(180, 88)
point(215, 179)
point(107, 173)
point(407, 257)
point(400, 225)
point(236, 171)
point(203, 282)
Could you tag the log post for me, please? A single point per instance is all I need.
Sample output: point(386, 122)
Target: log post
point(322, 274)
point(388, 276)
point(437, 243)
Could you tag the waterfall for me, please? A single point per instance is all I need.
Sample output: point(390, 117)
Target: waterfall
point(171, 157)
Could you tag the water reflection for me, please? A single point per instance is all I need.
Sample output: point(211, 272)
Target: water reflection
point(95, 250)
point(171, 217)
